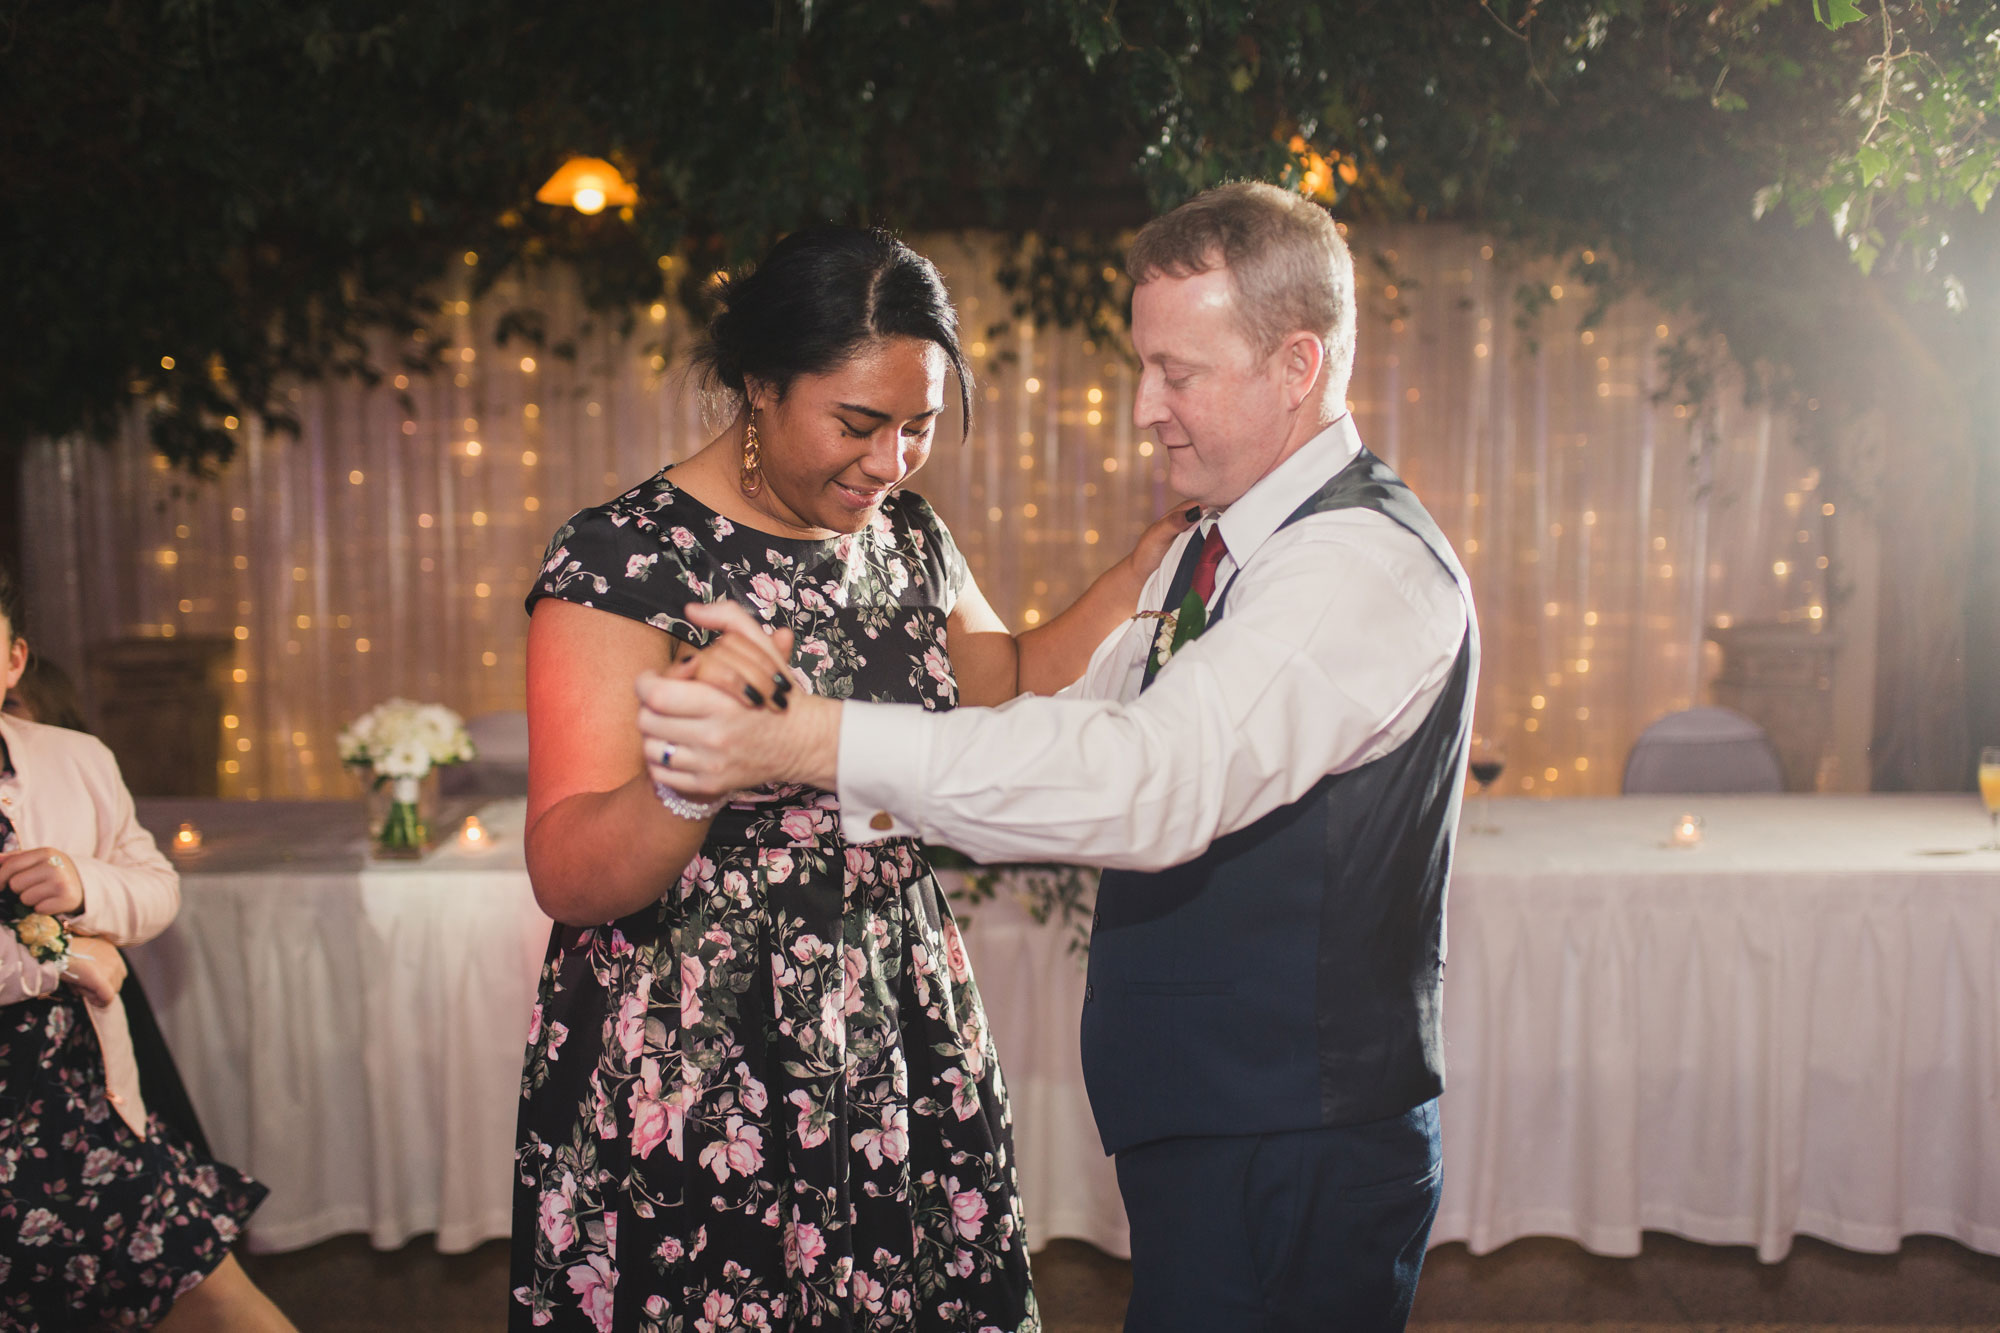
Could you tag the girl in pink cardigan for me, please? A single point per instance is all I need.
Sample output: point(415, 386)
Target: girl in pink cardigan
point(107, 1218)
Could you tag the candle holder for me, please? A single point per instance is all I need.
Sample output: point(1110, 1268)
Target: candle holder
point(473, 835)
point(186, 840)
point(1686, 832)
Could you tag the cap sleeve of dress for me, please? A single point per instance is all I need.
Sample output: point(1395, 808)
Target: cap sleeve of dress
point(641, 556)
point(932, 541)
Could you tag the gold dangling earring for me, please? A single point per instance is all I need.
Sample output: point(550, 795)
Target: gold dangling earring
point(748, 476)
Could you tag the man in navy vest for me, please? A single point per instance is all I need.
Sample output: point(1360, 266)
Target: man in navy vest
point(1268, 760)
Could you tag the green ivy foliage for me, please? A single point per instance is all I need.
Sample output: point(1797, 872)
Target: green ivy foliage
point(201, 200)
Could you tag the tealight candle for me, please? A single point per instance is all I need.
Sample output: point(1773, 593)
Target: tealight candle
point(1687, 831)
point(473, 836)
point(187, 838)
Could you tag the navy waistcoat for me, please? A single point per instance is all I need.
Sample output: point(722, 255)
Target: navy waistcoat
point(1291, 976)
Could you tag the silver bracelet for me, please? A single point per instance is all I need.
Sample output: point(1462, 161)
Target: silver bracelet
point(680, 805)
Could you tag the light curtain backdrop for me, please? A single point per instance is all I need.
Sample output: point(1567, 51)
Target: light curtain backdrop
point(387, 550)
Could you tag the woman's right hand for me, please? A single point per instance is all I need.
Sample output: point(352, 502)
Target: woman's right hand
point(1158, 538)
point(755, 668)
point(95, 968)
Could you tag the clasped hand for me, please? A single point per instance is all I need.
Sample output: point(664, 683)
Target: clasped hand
point(95, 968)
point(44, 879)
point(726, 718)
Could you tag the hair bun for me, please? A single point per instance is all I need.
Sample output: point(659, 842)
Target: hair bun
point(722, 356)
point(815, 299)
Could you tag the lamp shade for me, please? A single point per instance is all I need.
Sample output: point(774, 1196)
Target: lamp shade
point(587, 184)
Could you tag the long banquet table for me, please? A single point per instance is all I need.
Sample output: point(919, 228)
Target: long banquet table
point(1792, 1029)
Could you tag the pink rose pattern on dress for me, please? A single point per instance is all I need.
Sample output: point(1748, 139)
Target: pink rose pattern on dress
point(778, 1107)
point(98, 1227)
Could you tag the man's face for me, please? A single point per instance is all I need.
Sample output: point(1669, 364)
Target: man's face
point(1216, 404)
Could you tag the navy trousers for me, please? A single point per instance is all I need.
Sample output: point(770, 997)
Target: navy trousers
point(1321, 1230)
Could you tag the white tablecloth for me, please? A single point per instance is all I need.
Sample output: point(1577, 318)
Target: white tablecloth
point(1793, 1029)
point(350, 1032)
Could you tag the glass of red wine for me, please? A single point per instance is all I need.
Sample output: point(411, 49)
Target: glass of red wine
point(1486, 766)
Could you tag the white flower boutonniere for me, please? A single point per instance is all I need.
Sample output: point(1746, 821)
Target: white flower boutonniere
point(1163, 638)
point(1177, 628)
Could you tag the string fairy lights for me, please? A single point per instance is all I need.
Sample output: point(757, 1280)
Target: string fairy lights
point(386, 551)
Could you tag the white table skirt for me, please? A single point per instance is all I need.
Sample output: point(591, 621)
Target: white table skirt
point(1793, 1030)
point(351, 1034)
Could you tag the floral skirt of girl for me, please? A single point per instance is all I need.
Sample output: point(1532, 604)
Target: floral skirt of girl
point(98, 1227)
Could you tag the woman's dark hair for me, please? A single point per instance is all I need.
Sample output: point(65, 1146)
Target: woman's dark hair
point(10, 600)
point(817, 298)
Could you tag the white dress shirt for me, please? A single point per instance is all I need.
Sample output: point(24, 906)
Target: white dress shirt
point(1339, 635)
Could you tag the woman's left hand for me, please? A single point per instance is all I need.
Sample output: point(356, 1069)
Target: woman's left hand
point(95, 968)
point(44, 879)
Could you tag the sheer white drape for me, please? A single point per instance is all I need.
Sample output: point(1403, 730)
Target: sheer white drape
point(387, 550)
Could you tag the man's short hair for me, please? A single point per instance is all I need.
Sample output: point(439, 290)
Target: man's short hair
point(1285, 258)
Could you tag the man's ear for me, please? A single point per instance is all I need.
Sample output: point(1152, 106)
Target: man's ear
point(1302, 360)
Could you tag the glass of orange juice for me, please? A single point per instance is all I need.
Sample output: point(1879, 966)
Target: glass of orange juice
point(1989, 791)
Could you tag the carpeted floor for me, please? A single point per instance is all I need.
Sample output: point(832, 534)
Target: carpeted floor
point(1532, 1286)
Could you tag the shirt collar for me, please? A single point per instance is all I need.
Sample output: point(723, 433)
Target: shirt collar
point(1249, 523)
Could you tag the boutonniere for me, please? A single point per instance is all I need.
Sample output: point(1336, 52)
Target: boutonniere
point(1177, 628)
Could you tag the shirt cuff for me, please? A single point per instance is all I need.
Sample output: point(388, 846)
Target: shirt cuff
point(884, 770)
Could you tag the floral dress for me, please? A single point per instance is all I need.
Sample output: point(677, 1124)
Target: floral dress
point(98, 1227)
point(769, 1100)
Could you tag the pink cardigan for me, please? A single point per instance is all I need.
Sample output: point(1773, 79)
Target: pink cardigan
point(66, 794)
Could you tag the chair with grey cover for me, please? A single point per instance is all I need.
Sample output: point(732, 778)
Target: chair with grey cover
point(501, 765)
point(1703, 750)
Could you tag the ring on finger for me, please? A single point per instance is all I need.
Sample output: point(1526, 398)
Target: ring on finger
point(666, 759)
point(55, 861)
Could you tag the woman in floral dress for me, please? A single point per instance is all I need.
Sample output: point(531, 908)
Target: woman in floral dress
point(759, 1089)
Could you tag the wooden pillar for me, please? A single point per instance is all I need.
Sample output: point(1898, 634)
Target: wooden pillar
point(159, 708)
point(1781, 676)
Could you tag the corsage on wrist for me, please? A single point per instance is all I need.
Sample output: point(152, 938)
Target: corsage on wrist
point(44, 937)
point(678, 804)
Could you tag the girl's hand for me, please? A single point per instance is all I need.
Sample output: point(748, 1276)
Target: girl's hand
point(95, 968)
point(44, 879)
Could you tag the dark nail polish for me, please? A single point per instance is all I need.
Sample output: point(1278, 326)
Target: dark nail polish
point(781, 702)
point(754, 695)
point(780, 682)
point(1193, 514)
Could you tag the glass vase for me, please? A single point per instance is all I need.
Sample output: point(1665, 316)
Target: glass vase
point(401, 815)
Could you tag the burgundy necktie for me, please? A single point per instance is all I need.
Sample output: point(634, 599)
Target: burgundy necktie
point(1212, 551)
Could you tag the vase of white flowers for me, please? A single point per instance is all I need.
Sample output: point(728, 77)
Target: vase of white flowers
point(396, 745)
